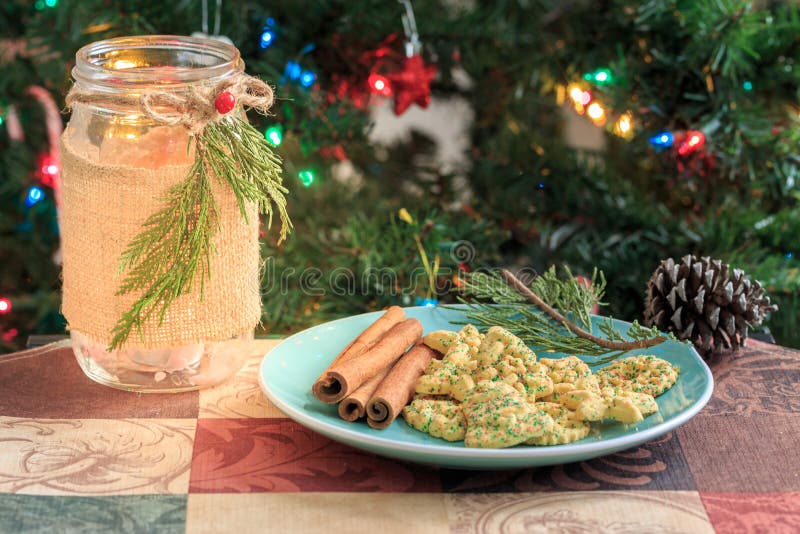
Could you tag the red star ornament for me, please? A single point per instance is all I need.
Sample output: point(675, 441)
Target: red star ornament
point(412, 84)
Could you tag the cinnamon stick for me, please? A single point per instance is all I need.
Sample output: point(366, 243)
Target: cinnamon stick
point(354, 406)
point(324, 387)
point(347, 375)
point(398, 387)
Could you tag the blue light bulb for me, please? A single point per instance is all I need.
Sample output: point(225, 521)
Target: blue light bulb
point(270, 21)
point(293, 70)
point(308, 78)
point(267, 36)
point(34, 195)
point(429, 303)
point(662, 140)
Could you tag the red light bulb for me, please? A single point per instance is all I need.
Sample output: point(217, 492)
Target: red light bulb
point(694, 140)
point(379, 85)
point(48, 169)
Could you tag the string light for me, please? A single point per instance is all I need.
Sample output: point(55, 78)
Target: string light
point(789, 255)
point(307, 78)
point(267, 37)
point(662, 140)
point(694, 141)
point(40, 5)
point(599, 76)
point(5, 305)
point(379, 84)
point(48, 169)
point(268, 34)
point(596, 112)
point(747, 85)
point(9, 334)
point(274, 135)
point(306, 177)
point(602, 76)
point(293, 70)
point(624, 125)
point(34, 195)
point(580, 98)
point(428, 303)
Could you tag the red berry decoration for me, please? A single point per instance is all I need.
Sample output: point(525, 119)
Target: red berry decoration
point(224, 102)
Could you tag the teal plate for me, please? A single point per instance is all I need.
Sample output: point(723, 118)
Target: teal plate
point(288, 371)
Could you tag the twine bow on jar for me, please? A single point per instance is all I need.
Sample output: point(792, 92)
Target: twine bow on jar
point(193, 108)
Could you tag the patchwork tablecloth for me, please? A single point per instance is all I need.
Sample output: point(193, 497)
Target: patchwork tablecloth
point(76, 456)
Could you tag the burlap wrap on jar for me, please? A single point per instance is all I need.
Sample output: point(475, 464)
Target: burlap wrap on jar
point(104, 207)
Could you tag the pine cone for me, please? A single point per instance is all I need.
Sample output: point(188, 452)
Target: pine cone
point(706, 302)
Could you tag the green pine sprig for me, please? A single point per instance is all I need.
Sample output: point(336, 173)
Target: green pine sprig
point(173, 250)
point(560, 319)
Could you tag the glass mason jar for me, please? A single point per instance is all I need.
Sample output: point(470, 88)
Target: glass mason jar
point(110, 147)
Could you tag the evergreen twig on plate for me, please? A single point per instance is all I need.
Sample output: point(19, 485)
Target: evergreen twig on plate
point(561, 320)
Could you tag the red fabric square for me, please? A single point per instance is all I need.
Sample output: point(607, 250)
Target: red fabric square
point(279, 455)
point(745, 513)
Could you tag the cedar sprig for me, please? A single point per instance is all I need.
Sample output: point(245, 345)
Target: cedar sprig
point(560, 320)
point(173, 250)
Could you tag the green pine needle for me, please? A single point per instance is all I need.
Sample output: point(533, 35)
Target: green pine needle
point(493, 302)
point(173, 251)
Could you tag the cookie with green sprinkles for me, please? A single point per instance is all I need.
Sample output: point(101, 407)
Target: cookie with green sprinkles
point(504, 421)
point(566, 428)
point(439, 418)
point(440, 340)
point(640, 374)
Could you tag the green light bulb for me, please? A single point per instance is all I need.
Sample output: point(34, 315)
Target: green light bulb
point(50, 3)
point(274, 135)
point(306, 177)
point(602, 76)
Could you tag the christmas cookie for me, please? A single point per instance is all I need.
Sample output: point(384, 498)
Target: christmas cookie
point(566, 428)
point(640, 374)
point(440, 418)
point(498, 416)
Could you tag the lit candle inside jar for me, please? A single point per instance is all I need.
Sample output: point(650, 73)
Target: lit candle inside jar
point(134, 140)
point(139, 144)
